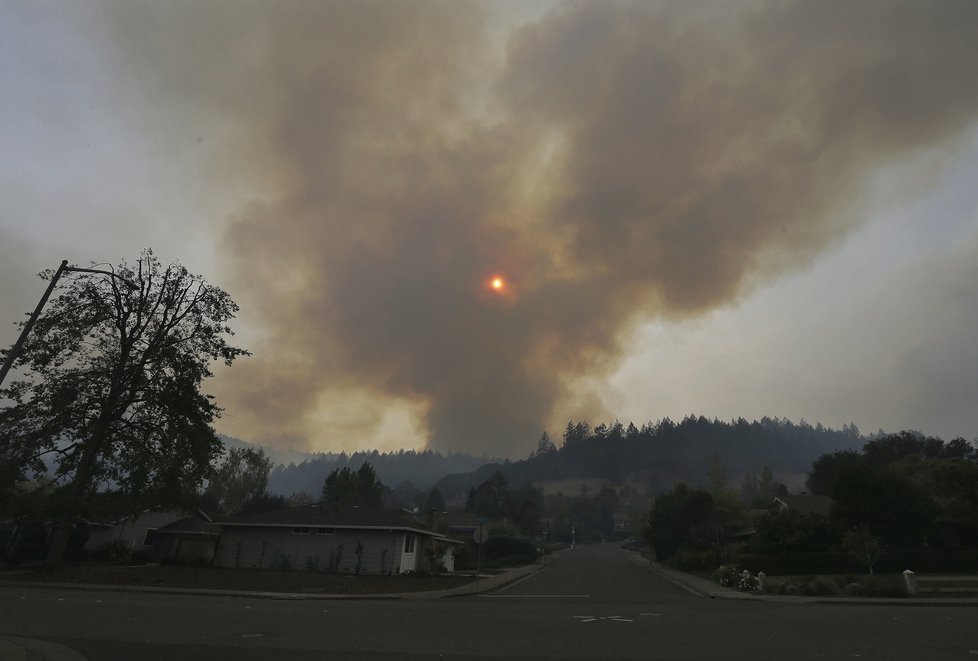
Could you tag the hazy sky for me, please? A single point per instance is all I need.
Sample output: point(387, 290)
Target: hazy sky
point(727, 209)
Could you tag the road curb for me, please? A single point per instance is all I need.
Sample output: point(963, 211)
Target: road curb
point(19, 648)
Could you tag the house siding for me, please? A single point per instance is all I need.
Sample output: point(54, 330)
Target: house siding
point(132, 531)
point(277, 547)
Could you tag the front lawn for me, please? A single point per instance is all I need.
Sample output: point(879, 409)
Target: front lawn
point(838, 585)
point(252, 580)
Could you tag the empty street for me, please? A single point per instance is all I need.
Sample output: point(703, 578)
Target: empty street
point(592, 603)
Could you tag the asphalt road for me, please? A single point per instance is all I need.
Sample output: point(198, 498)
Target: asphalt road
point(593, 603)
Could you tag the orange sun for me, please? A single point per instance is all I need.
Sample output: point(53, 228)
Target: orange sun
point(497, 283)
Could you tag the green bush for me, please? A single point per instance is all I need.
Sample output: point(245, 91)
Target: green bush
point(793, 564)
point(823, 586)
point(727, 575)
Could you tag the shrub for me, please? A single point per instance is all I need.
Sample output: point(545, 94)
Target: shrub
point(794, 564)
point(687, 560)
point(139, 556)
point(727, 575)
point(823, 586)
point(855, 590)
point(115, 551)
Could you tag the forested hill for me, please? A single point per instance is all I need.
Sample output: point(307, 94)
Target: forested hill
point(659, 454)
point(420, 468)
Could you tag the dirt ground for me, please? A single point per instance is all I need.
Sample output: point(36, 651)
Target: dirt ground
point(260, 580)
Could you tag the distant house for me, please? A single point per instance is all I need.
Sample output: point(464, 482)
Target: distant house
point(460, 525)
point(622, 522)
point(806, 504)
point(339, 539)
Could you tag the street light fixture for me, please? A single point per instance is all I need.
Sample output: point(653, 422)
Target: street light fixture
point(16, 349)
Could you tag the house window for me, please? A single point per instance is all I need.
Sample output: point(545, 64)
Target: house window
point(409, 543)
point(150, 537)
point(301, 531)
point(326, 531)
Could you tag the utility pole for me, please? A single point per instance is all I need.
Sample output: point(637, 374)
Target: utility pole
point(19, 344)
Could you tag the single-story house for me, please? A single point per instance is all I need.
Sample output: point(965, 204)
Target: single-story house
point(345, 539)
point(191, 539)
point(136, 533)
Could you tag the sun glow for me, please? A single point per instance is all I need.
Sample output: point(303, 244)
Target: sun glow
point(497, 283)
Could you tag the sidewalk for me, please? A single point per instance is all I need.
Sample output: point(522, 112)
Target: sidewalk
point(704, 588)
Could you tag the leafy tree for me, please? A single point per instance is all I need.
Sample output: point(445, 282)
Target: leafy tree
point(545, 446)
point(718, 478)
point(887, 504)
point(361, 488)
point(241, 476)
point(667, 525)
point(693, 518)
point(526, 508)
point(759, 492)
point(264, 502)
point(490, 497)
point(300, 498)
point(791, 531)
point(864, 546)
point(110, 389)
point(434, 501)
point(824, 470)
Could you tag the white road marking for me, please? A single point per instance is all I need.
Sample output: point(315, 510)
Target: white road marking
point(611, 618)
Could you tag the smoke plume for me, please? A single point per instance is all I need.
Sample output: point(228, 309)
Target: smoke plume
point(612, 162)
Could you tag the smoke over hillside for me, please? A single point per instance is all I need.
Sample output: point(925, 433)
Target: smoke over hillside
point(612, 162)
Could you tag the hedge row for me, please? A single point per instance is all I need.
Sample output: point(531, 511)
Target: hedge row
point(921, 561)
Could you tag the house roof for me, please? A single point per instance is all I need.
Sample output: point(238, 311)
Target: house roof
point(331, 517)
point(458, 521)
point(807, 504)
point(190, 526)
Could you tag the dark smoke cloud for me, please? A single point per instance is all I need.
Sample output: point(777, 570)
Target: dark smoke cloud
point(625, 161)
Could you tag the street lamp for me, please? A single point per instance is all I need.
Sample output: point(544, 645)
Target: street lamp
point(16, 349)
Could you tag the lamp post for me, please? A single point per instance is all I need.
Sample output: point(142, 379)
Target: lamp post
point(19, 344)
